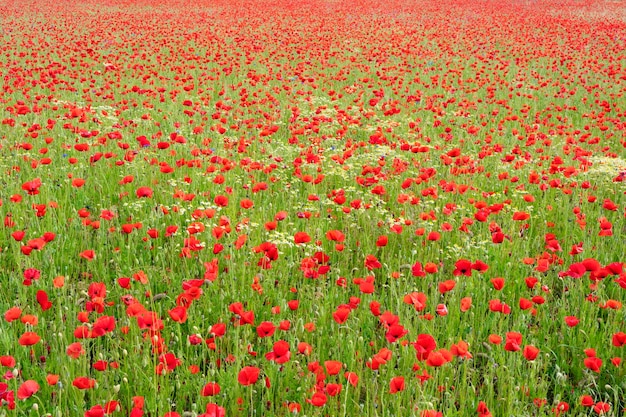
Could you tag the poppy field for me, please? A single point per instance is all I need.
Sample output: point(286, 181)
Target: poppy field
point(312, 208)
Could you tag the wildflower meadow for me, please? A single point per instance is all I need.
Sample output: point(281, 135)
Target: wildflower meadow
point(312, 208)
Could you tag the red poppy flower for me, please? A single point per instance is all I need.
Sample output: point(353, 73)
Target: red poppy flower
point(480, 266)
point(42, 299)
point(395, 332)
point(520, 216)
point(241, 240)
point(525, 303)
point(246, 317)
point(111, 406)
point(438, 357)
point(29, 339)
point(221, 200)
point(442, 309)
point(103, 325)
point(214, 410)
point(12, 314)
point(74, 350)
point(100, 365)
point(619, 339)
point(461, 350)
point(352, 378)
point(586, 401)
point(280, 352)
point(32, 187)
point(304, 348)
point(466, 303)
point(371, 262)
point(593, 363)
point(561, 407)
point(318, 399)
point(52, 379)
point(169, 361)
point(530, 352)
point(270, 253)
point(211, 270)
point(301, 238)
point(332, 367)
point(7, 361)
point(601, 408)
point(210, 389)
point(144, 192)
point(87, 254)
point(396, 384)
point(417, 299)
point(498, 283)
point(178, 314)
point(248, 375)
point(246, 204)
point(27, 389)
point(83, 383)
point(591, 264)
point(341, 314)
point(513, 341)
point(483, 410)
point(333, 389)
point(265, 329)
point(499, 307)
point(335, 235)
point(366, 285)
point(498, 237)
point(446, 286)
point(417, 271)
point(424, 344)
point(463, 267)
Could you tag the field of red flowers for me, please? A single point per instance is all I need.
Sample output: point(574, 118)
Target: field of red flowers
point(312, 208)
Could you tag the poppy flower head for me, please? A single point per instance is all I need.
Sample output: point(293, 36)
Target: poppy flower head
point(513, 341)
point(318, 399)
point(530, 352)
point(74, 350)
point(417, 270)
point(84, 383)
point(29, 339)
point(301, 238)
point(248, 375)
point(210, 389)
point(371, 262)
point(438, 358)
point(32, 187)
point(144, 192)
point(280, 352)
point(396, 384)
point(333, 367)
point(265, 329)
point(27, 389)
point(424, 344)
point(463, 267)
point(593, 363)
